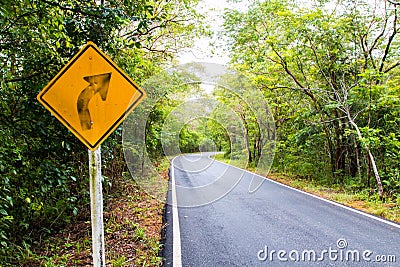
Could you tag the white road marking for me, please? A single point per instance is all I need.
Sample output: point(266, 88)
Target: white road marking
point(393, 224)
point(176, 247)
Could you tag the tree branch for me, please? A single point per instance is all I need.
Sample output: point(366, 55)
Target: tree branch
point(390, 40)
point(19, 79)
point(76, 10)
point(396, 3)
point(392, 67)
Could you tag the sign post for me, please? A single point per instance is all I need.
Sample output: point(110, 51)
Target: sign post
point(96, 207)
point(91, 96)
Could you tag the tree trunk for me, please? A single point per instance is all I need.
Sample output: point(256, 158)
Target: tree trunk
point(246, 136)
point(369, 173)
point(248, 145)
point(340, 149)
point(370, 156)
point(357, 160)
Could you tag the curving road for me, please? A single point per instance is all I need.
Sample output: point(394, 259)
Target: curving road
point(217, 222)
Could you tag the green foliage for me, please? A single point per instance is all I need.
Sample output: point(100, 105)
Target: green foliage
point(316, 67)
point(43, 167)
point(189, 140)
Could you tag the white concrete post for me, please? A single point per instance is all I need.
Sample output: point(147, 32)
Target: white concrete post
point(96, 208)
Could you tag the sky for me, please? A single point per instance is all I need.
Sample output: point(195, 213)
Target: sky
point(214, 9)
point(202, 50)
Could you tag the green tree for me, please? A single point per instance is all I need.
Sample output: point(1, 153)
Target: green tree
point(317, 60)
point(43, 167)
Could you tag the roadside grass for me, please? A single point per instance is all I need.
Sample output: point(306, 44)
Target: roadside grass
point(132, 225)
point(361, 200)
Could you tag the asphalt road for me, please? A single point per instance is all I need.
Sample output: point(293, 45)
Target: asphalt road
point(215, 225)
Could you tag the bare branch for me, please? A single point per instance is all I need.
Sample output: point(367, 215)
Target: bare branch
point(394, 2)
point(283, 63)
point(392, 67)
point(390, 40)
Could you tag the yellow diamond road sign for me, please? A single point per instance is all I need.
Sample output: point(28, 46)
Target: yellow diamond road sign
point(91, 95)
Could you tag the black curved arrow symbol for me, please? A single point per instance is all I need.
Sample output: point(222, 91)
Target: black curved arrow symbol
point(97, 84)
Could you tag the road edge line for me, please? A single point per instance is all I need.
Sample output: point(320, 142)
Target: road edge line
point(388, 222)
point(176, 235)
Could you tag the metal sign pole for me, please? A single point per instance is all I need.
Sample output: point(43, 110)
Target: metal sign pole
point(96, 208)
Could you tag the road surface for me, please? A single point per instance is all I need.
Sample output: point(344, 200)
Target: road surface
point(218, 222)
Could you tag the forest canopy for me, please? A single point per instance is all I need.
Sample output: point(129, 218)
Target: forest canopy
point(44, 176)
point(330, 71)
